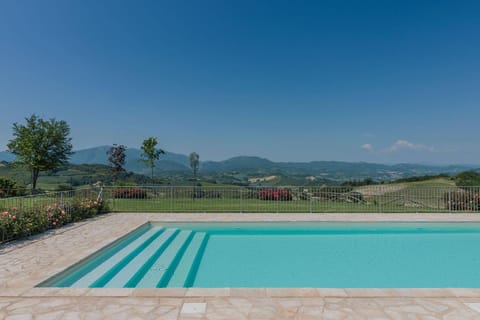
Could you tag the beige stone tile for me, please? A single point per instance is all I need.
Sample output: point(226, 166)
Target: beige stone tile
point(331, 292)
point(208, 292)
point(110, 292)
point(159, 292)
point(248, 292)
point(465, 292)
point(291, 292)
point(369, 292)
point(422, 292)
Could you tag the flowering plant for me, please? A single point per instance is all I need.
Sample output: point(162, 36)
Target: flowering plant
point(275, 194)
point(57, 215)
point(86, 208)
point(462, 201)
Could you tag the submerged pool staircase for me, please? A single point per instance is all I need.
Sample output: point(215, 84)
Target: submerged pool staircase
point(154, 258)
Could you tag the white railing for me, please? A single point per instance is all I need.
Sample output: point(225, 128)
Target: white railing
point(374, 198)
point(408, 198)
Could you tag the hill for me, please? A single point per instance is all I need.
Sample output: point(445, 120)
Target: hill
point(240, 169)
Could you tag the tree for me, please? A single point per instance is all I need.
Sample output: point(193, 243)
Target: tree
point(150, 153)
point(40, 145)
point(10, 188)
point(116, 157)
point(194, 163)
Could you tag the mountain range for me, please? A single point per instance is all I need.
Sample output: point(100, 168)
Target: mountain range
point(251, 166)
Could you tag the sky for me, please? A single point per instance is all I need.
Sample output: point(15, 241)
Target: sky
point(377, 81)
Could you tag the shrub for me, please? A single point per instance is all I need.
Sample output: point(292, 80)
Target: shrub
point(64, 187)
point(460, 201)
point(131, 193)
point(467, 179)
point(15, 223)
point(198, 194)
point(86, 208)
point(355, 197)
point(20, 222)
point(10, 188)
point(275, 194)
point(57, 215)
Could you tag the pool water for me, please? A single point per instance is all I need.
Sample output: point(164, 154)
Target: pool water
point(328, 255)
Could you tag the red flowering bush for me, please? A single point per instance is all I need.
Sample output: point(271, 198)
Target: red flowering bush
point(462, 201)
point(131, 193)
point(86, 208)
point(57, 215)
point(20, 222)
point(16, 223)
point(275, 194)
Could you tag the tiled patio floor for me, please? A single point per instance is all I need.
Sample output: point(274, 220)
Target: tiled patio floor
point(25, 264)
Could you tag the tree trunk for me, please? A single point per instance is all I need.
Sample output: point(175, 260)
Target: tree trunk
point(35, 173)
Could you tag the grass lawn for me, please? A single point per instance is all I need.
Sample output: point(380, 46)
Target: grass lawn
point(253, 205)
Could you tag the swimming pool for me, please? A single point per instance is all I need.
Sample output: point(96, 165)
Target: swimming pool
point(294, 254)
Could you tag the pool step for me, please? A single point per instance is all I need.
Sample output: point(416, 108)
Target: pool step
point(100, 270)
point(127, 272)
point(72, 274)
point(160, 266)
point(184, 269)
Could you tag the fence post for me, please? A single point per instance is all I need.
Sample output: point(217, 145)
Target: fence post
point(171, 198)
point(241, 203)
point(311, 204)
point(449, 200)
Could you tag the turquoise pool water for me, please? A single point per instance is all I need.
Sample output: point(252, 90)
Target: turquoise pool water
point(329, 255)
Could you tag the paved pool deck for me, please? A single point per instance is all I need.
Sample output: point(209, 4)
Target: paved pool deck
point(26, 263)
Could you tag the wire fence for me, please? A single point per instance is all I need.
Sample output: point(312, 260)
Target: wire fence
point(374, 198)
point(41, 200)
point(26, 215)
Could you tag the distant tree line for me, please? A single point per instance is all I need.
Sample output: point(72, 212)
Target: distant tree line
point(45, 145)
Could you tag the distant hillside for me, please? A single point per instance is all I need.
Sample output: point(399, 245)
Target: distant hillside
point(169, 162)
point(71, 175)
point(239, 169)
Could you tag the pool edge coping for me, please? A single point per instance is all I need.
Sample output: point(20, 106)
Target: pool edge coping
point(38, 292)
point(253, 292)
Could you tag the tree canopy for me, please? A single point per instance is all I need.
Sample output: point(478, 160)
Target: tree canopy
point(150, 153)
point(116, 158)
point(194, 163)
point(40, 145)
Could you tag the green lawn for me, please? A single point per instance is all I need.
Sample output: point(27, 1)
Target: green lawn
point(253, 205)
point(423, 196)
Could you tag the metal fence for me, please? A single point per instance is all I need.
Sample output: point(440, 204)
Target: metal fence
point(24, 216)
point(48, 198)
point(408, 198)
point(374, 198)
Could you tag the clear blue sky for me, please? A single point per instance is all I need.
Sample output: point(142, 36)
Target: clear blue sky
point(381, 81)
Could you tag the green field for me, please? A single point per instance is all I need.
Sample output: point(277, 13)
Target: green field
point(423, 196)
point(254, 205)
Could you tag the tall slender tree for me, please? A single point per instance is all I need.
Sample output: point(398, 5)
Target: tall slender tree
point(116, 158)
point(40, 145)
point(150, 153)
point(194, 163)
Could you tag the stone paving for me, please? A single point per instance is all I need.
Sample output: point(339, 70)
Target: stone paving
point(24, 264)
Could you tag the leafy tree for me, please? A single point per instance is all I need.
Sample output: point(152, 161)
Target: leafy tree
point(194, 163)
point(150, 153)
point(10, 188)
point(116, 158)
point(40, 145)
point(467, 179)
